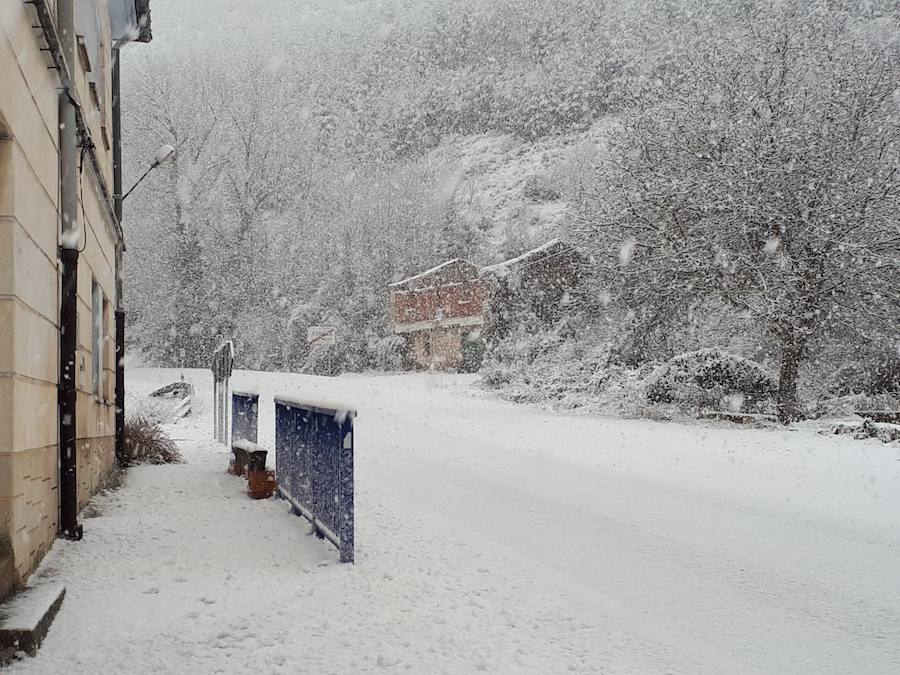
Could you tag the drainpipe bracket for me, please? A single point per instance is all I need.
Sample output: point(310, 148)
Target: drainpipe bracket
point(74, 535)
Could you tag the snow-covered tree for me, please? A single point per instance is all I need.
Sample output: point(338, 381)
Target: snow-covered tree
point(761, 167)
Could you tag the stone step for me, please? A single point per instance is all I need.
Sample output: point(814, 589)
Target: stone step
point(25, 618)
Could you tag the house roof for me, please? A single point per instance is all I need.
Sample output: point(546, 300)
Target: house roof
point(429, 272)
point(553, 247)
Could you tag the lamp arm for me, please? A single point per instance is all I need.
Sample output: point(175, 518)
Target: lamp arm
point(146, 173)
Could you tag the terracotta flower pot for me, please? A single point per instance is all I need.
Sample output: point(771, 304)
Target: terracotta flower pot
point(261, 484)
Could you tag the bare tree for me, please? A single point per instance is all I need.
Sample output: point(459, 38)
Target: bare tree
point(182, 110)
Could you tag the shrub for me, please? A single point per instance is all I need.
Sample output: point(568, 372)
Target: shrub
point(389, 353)
point(707, 377)
point(567, 373)
point(473, 354)
point(495, 375)
point(147, 443)
point(328, 359)
point(886, 433)
point(539, 188)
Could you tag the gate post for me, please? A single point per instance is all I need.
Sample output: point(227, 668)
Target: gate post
point(222, 365)
point(215, 407)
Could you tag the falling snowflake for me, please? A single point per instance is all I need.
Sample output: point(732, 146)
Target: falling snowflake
point(626, 253)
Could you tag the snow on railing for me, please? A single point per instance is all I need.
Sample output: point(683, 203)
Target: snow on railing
point(314, 460)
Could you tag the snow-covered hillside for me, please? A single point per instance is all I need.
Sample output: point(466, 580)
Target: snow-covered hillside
point(516, 189)
point(500, 539)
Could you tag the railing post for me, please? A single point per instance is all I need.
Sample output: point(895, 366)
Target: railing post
point(345, 483)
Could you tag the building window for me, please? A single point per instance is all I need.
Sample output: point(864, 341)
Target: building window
point(98, 337)
point(108, 352)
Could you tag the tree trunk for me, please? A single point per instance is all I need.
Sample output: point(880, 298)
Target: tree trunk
point(788, 403)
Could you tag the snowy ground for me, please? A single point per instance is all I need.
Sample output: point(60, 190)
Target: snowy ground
point(496, 538)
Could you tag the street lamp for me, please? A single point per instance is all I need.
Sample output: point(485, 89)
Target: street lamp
point(162, 155)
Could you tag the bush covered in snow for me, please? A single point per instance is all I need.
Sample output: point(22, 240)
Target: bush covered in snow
point(554, 369)
point(711, 378)
point(886, 433)
point(147, 443)
point(389, 353)
point(328, 359)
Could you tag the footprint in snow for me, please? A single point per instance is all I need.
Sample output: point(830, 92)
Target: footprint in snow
point(387, 661)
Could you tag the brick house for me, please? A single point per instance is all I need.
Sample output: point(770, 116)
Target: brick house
point(437, 312)
point(60, 248)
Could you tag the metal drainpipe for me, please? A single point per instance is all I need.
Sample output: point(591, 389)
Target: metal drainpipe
point(68, 311)
point(121, 452)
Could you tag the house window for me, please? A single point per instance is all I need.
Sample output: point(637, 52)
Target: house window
point(98, 337)
point(6, 166)
point(95, 97)
point(93, 52)
point(83, 54)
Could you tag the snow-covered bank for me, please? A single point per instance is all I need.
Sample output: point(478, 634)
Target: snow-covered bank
point(494, 537)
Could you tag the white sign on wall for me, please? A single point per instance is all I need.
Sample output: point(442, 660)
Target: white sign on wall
point(321, 336)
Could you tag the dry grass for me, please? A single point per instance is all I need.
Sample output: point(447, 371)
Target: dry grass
point(147, 443)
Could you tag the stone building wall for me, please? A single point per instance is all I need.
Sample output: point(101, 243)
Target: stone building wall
point(29, 298)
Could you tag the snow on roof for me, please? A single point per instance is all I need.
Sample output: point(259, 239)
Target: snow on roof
point(507, 265)
point(427, 273)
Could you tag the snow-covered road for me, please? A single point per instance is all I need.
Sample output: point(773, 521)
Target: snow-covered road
point(498, 538)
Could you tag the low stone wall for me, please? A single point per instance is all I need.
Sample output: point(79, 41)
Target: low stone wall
point(29, 522)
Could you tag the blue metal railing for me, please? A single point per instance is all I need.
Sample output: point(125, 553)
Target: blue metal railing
point(244, 417)
point(314, 460)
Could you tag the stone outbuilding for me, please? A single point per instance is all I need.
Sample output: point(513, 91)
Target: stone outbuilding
point(539, 285)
